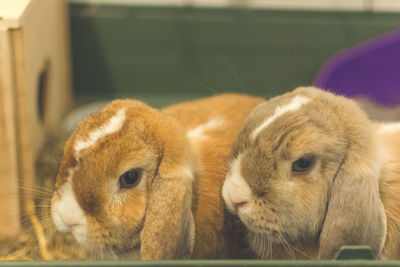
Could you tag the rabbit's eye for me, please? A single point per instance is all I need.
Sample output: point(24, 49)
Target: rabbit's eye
point(303, 164)
point(130, 178)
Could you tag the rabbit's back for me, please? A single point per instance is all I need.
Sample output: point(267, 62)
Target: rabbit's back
point(212, 125)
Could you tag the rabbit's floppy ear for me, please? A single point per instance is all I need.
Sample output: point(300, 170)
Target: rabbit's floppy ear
point(168, 231)
point(355, 214)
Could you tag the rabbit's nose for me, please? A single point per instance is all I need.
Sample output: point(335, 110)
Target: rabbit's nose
point(70, 221)
point(72, 225)
point(239, 202)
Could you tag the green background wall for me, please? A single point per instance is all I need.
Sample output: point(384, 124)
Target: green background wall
point(163, 55)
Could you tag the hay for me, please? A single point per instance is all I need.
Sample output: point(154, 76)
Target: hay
point(38, 239)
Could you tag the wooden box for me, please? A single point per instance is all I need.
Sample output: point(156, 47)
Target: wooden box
point(34, 93)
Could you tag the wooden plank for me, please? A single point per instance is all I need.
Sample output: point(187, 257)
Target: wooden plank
point(42, 84)
point(62, 91)
point(9, 200)
point(23, 126)
point(12, 12)
point(47, 57)
point(34, 94)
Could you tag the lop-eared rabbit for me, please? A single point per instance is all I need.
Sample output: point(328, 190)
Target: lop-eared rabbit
point(135, 182)
point(309, 172)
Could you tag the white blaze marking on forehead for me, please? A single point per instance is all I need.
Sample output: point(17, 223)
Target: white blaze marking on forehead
point(389, 127)
point(199, 131)
point(235, 186)
point(294, 104)
point(113, 125)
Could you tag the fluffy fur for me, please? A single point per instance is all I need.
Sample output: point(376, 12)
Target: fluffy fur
point(176, 210)
point(349, 196)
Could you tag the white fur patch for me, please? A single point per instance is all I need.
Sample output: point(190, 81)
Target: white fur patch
point(67, 215)
point(188, 173)
point(199, 131)
point(294, 104)
point(184, 172)
point(389, 127)
point(192, 233)
point(113, 125)
point(235, 188)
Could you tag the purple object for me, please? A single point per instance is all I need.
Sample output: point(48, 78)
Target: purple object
point(370, 69)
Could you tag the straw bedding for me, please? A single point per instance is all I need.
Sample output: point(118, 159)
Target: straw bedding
point(38, 239)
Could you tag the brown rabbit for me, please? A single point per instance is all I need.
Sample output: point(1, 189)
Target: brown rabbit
point(138, 183)
point(310, 172)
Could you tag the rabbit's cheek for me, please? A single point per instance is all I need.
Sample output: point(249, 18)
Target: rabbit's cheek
point(261, 223)
point(133, 210)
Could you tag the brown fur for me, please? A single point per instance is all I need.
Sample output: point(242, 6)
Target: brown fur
point(157, 217)
point(389, 187)
point(211, 156)
point(339, 200)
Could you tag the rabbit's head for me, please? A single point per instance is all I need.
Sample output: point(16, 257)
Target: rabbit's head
point(124, 184)
point(305, 170)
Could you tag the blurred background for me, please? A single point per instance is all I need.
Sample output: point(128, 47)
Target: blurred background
point(164, 51)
